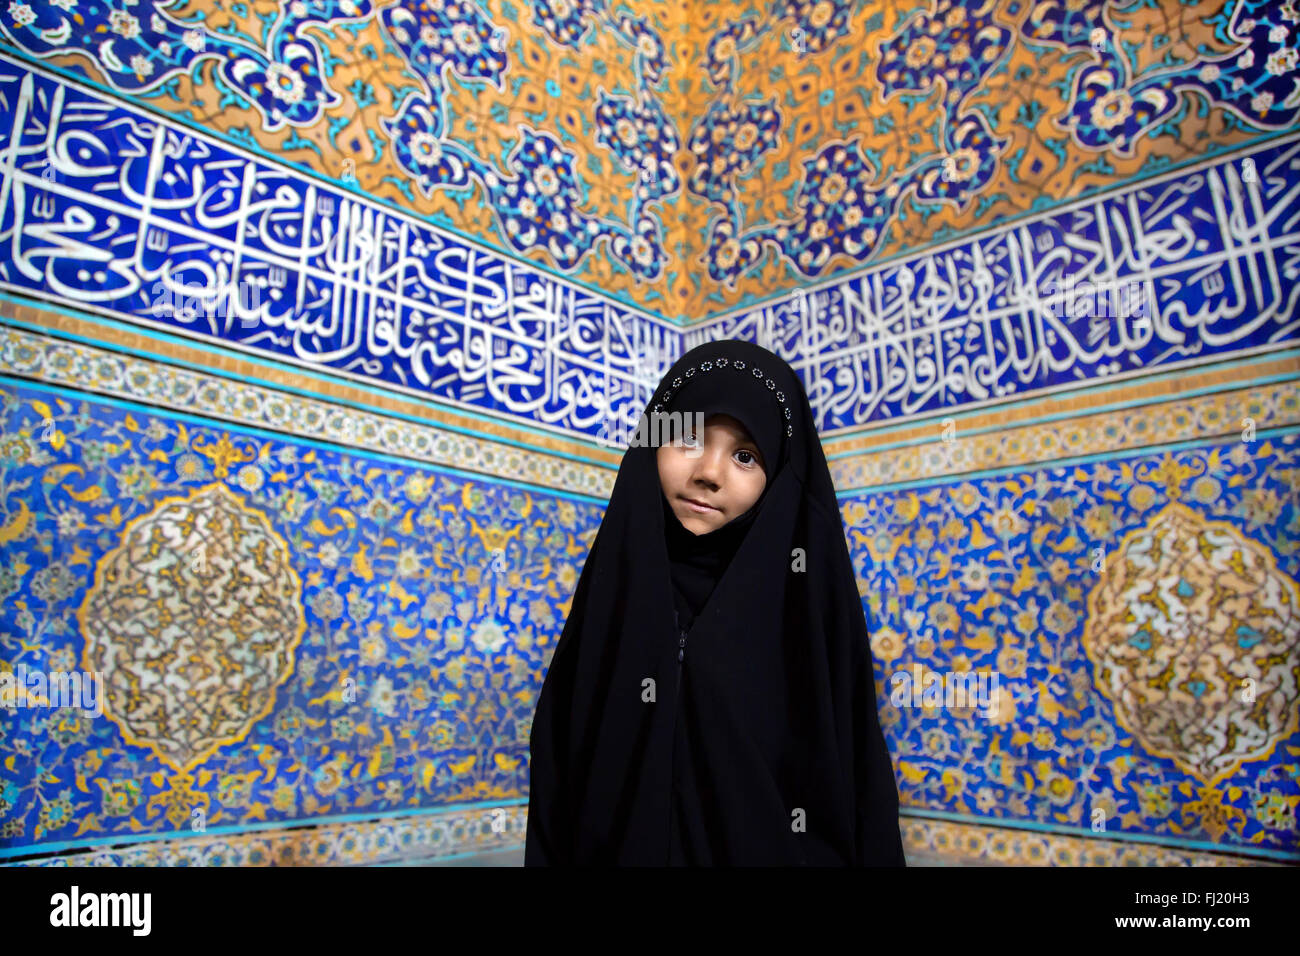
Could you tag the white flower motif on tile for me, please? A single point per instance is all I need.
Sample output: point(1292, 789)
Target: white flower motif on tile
point(21, 14)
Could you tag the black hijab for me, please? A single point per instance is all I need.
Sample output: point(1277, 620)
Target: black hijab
point(763, 746)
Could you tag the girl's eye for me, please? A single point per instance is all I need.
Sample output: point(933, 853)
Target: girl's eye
point(748, 458)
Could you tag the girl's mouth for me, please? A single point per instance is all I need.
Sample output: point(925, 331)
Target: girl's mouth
point(698, 506)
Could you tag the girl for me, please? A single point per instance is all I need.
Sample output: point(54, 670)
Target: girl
point(711, 699)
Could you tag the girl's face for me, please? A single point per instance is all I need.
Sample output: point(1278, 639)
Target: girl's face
point(711, 479)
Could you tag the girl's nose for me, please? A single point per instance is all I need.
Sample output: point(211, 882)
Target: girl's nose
point(708, 467)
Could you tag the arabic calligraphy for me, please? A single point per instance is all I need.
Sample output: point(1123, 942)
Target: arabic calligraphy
point(1167, 273)
point(110, 210)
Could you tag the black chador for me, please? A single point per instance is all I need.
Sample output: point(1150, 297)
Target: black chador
point(711, 700)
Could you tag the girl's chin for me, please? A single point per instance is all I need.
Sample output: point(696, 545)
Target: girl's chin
point(696, 523)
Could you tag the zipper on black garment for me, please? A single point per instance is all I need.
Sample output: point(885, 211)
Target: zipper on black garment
point(681, 651)
point(681, 654)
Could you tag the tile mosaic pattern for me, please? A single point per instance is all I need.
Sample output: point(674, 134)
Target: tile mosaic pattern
point(228, 248)
point(1174, 273)
point(529, 213)
point(692, 159)
point(1262, 408)
point(74, 365)
point(285, 631)
point(428, 837)
point(441, 656)
point(1142, 614)
point(203, 240)
point(468, 838)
